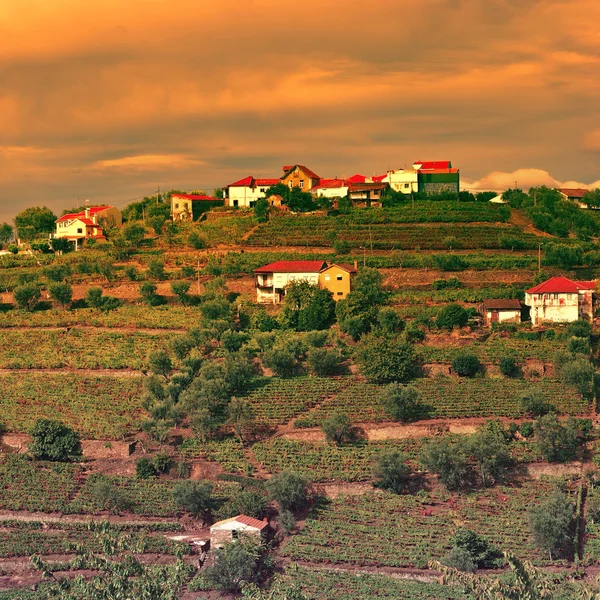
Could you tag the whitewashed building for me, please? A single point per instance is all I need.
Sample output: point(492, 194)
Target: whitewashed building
point(270, 280)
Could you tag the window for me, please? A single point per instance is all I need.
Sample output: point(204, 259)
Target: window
point(340, 293)
point(301, 183)
point(176, 205)
point(79, 230)
point(262, 190)
point(556, 296)
point(290, 183)
point(327, 277)
point(406, 185)
point(235, 202)
point(340, 277)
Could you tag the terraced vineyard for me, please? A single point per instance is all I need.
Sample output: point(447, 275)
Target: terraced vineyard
point(98, 407)
point(228, 452)
point(452, 397)
point(78, 349)
point(382, 529)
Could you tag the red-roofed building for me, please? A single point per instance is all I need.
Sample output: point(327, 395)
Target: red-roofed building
point(301, 177)
point(229, 530)
point(574, 195)
point(272, 279)
point(245, 192)
point(87, 224)
point(431, 165)
point(560, 300)
point(331, 188)
point(367, 194)
point(189, 207)
point(358, 179)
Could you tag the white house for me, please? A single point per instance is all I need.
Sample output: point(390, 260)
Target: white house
point(331, 188)
point(245, 192)
point(229, 530)
point(560, 300)
point(403, 180)
point(501, 311)
point(270, 280)
point(87, 224)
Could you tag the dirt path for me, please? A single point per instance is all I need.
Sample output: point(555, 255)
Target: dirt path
point(520, 219)
point(123, 373)
point(132, 329)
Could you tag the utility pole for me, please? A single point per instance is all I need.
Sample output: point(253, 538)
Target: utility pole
point(539, 257)
point(198, 275)
point(157, 193)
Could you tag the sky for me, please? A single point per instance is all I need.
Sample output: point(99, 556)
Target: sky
point(106, 100)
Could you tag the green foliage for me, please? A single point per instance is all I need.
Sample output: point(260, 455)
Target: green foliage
point(144, 469)
point(389, 321)
point(466, 364)
point(57, 272)
point(34, 220)
point(447, 284)
point(251, 502)
point(282, 361)
point(552, 524)
point(324, 362)
point(216, 309)
point(109, 497)
point(181, 289)
point(563, 256)
point(261, 210)
point(195, 497)
point(526, 429)
point(490, 454)
point(160, 363)
point(450, 262)
point(156, 269)
point(508, 366)
point(401, 402)
point(307, 307)
point(580, 373)
point(449, 460)
point(27, 296)
point(196, 240)
point(95, 299)
point(535, 404)
point(53, 440)
point(460, 559)
point(478, 548)
point(6, 233)
point(391, 472)
point(452, 315)
point(134, 233)
point(385, 359)
point(61, 293)
point(289, 489)
point(554, 441)
point(338, 428)
point(581, 329)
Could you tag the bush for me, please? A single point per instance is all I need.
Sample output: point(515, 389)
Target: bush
point(449, 460)
point(53, 440)
point(289, 489)
point(459, 559)
point(446, 284)
point(401, 402)
point(149, 295)
point(248, 502)
point(181, 289)
point(534, 404)
point(27, 296)
point(478, 548)
point(466, 364)
point(384, 359)
point(144, 469)
point(580, 329)
point(323, 362)
point(216, 309)
point(282, 361)
point(156, 269)
point(450, 262)
point(232, 341)
point(131, 273)
point(389, 320)
point(338, 428)
point(526, 429)
point(552, 525)
point(287, 521)
point(579, 345)
point(391, 472)
point(554, 441)
point(508, 366)
point(61, 293)
point(194, 497)
point(93, 297)
point(196, 241)
point(580, 373)
point(234, 565)
point(316, 339)
point(452, 315)
point(109, 497)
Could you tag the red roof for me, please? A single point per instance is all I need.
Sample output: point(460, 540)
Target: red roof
point(246, 520)
point(267, 182)
point(246, 182)
point(93, 210)
point(293, 266)
point(195, 197)
point(561, 285)
point(430, 165)
point(573, 192)
point(306, 170)
point(357, 179)
point(378, 178)
point(330, 183)
point(344, 267)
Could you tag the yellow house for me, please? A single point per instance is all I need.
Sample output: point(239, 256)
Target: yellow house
point(299, 176)
point(338, 280)
point(87, 224)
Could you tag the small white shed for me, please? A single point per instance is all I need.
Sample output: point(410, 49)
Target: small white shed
point(229, 530)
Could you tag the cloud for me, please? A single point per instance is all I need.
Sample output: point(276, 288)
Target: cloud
point(521, 178)
point(147, 162)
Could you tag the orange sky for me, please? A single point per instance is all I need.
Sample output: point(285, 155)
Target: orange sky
point(110, 100)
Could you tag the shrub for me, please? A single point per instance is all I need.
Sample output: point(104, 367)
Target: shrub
point(450, 262)
point(181, 289)
point(131, 273)
point(534, 404)
point(554, 441)
point(579, 329)
point(194, 497)
point(27, 296)
point(93, 297)
point(478, 548)
point(579, 345)
point(552, 524)
point(445, 284)
point(282, 361)
point(233, 340)
point(316, 339)
point(489, 451)
point(389, 320)
point(401, 402)
point(384, 359)
point(391, 472)
point(323, 362)
point(53, 440)
point(287, 521)
point(459, 559)
point(149, 295)
point(249, 502)
point(338, 428)
point(156, 269)
point(452, 315)
point(449, 460)
point(144, 469)
point(508, 366)
point(466, 364)
point(109, 497)
point(580, 373)
point(526, 429)
point(216, 309)
point(289, 489)
point(234, 565)
point(196, 240)
point(61, 293)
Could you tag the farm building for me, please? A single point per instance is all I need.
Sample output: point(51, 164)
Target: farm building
point(189, 207)
point(228, 530)
point(245, 192)
point(338, 280)
point(270, 280)
point(501, 311)
point(560, 300)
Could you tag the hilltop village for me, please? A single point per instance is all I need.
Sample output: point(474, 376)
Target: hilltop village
point(302, 387)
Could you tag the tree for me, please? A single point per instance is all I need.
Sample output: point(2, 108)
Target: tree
point(149, 295)
point(160, 363)
point(27, 296)
point(488, 449)
point(452, 315)
point(6, 233)
point(261, 210)
point(134, 233)
point(580, 373)
point(389, 321)
point(338, 428)
point(109, 497)
point(324, 362)
point(592, 198)
point(61, 245)
point(386, 359)
point(401, 402)
point(195, 497)
point(562, 255)
point(449, 460)
point(553, 440)
point(94, 298)
point(240, 416)
point(34, 220)
point(61, 293)
point(508, 366)
point(289, 489)
point(181, 289)
point(251, 502)
point(477, 548)
point(391, 472)
point(466, 364)
point(552, 524)
point(53, 440)
point(282, 361)
point(534, 403)
point(307, 307)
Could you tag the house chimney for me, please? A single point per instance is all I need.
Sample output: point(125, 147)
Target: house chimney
point(87, 213)
point(356, 265)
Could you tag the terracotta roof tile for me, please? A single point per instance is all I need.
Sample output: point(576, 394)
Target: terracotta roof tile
point(195, 197)
point(502, 304)
point(293, 266)
point(561, 285)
